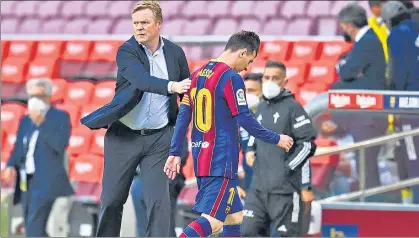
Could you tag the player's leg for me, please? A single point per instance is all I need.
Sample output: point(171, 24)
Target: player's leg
point(256, 219)
point(211, 202)
point(286, 211)
point(234, 220)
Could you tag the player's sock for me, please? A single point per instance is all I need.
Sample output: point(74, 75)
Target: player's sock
point(201, 227)
point(232, 230)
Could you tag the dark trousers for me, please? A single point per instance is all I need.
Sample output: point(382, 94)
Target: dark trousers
point(36, 211)
point(124, 150)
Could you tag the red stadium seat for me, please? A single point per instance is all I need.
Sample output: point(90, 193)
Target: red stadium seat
point(24, 50)
point(80, 141)
point(14, 70)
point(77, 50)
point(11, 113)
point(87, 109)
point(332, 50)
point(305, 51)
point(103, 92)
point(308, 91)
point(4, 49)
point(4, 158)
point(87, 168)
point(79, 93)
point(73, 111)
point(98, 141)
point(258, 66)
point(59, 90)
point(104, 50)
point(296, 72)
point(9, 142)
point(276, 50)
point(322, 71)
point(43, 67)
point(49, 49)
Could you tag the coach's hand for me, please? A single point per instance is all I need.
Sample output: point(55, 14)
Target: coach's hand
point(172, 166)
point(182, 86)
point(285, 142)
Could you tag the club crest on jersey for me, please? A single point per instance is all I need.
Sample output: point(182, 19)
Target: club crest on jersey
point(241, 100)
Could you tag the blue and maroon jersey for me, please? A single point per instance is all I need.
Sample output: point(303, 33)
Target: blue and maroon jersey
point(216, 96)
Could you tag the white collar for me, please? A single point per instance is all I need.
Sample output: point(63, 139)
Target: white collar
point(361, 32)
point(161, 44)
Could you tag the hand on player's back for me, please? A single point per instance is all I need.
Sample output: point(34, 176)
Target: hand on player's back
point(182, 86)
point(285, 142)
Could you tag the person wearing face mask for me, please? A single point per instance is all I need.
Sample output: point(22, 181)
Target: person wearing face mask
point(37, 160)
point(281, 180)
point(365, 65)
point(253, 85)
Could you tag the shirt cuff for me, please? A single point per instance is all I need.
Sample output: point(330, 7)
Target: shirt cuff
point(169, 87)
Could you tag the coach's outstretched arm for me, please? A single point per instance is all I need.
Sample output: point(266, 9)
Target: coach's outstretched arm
point(133, 70)
point(235, 96)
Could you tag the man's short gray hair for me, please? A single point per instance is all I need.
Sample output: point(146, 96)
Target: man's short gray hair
point(353, 14)
point(40, 82)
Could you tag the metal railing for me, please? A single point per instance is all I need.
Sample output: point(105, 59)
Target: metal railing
point(361, 146)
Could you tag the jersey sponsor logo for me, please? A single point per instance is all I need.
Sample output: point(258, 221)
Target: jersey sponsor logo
point(241, 100)
point(301, 121)
point(200, 144)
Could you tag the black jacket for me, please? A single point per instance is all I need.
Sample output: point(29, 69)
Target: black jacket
point(276, 171)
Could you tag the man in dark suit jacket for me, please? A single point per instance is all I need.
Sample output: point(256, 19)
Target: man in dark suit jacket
point(38, 158)
point(140, 121)
point(363, 68)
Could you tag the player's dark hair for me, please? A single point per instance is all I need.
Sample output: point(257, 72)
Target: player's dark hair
point(254, 77)
point(244, 39)
point(354, 14)
point(276, 64)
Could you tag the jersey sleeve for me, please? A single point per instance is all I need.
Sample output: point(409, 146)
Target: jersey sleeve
point(235, 95)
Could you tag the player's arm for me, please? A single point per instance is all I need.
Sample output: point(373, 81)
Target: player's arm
point(234, 93)
point(397, 65)
point(304, 134)
point(181, 128)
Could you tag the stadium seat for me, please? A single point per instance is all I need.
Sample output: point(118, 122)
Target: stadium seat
point(104, 50)
point(243, 8)
point(266, 9)
point(77, 26)
point(7, 8)
point(71, 9)
point(274, 26)
point(9, 25)
point(319, 8)
point(103, 92)
point(24, 50)
point(337, 6)
point(73, 111)
point(79, 93)
point(100, 26)
point(59, 90)
point(193, 52)
point(13, 70)
point(124, 26)
point(297, 72)
point(80, 141)
point(171, 8)
point(49, 9)
point(223, 9)
point(174, 27)
point(322, 71)
point(327, 26)
point(250, 25)
point(4, 49)
point(199, 26)
point(195, 9)
point(26, 8)
point(9, 143)
point(49, 49)
point(97, 9)
point(53, 26)
point(276, 50)
point(77, 50)
point(30, 26)
point(332, 50)
point(300, 26)
point(117, 9)
point(96, 69)
point(258, 66)
point(217, 50)
point(225, 26)
point(43, 68)
point(293, 8)
point(87, 168)
point(310, 90)
point(4, 158)
point(305, 51)
point(98, 141)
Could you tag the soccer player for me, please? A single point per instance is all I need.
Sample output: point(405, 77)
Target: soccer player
point(217, 102)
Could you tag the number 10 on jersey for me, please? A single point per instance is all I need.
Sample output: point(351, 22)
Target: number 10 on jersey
point(202, 102)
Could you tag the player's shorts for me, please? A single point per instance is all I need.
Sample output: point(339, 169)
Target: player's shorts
point(217, 197)
point(284, 211)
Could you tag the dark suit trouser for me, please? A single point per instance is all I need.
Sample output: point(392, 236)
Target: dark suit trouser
point(124, 150)
point(36, 212)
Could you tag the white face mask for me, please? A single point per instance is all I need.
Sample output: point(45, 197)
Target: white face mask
point(36, 104)
point(252, 100)
point(270, 89)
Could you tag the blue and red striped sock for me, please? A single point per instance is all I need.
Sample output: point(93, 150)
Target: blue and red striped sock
point(232, 230)
point(198, 228)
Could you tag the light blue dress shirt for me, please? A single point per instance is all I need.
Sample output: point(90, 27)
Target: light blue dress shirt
point(152, 111)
